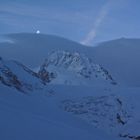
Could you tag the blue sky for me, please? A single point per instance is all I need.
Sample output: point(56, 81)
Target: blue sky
point(86, 21)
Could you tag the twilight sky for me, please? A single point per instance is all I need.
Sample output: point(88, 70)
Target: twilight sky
point(85, 21)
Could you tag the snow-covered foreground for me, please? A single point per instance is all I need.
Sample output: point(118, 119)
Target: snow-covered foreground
point(41, 115)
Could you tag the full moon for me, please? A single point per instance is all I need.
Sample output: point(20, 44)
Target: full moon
point(37, 32)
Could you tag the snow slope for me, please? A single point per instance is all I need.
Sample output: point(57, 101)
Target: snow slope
point(121, 57)
point(70, 112)
point(39, 116)
point(38, 113)
point(16, 75)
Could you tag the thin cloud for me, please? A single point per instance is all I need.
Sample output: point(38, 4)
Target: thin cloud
point(93, 32)
point(45, 14)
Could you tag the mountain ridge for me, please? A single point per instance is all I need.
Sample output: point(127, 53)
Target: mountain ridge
point(119, 56)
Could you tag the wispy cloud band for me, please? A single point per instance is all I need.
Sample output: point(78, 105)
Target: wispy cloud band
point(93, 32)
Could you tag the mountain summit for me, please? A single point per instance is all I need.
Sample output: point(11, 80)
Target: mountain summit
point(74, 69)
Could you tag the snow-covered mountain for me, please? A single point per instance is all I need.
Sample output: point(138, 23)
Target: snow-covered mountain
point(76, 62)
point(16, 75)
point(74, 69)
point(80, 101)
point(31, 49)
point(121, 57)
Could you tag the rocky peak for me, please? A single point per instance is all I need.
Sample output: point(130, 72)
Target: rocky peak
point(67, 63)
point(14, 74)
